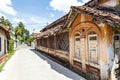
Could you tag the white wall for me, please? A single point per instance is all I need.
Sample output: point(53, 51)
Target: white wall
point(3, 37)
point(110, 56)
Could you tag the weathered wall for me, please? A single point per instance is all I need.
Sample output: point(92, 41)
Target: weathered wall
point(84, 22)
point(105, 54)
point(3, 37)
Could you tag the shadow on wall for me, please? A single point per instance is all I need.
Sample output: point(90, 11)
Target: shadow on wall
point(59, 68)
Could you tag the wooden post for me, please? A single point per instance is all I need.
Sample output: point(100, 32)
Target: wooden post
point(48, 45)
point(55, 42)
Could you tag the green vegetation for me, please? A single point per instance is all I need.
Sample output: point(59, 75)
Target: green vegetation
point(6, 23)
point(10, 46)
point(22, 34)
point(30, 39)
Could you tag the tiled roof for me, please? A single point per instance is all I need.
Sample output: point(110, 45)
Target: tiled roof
point(105, 17)
point(54, 27)
point(92, 3)
point(6, 31)
point(55, 23)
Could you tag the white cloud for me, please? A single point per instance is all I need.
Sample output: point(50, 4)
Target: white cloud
point(52, 15)
point(1, 14)
point(64, 5)
point(6, 7)
point(34, 19)
point(38, 20)
point(17, 20)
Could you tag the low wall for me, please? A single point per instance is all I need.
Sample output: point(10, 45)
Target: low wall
point(2, 58)
point(64, 56)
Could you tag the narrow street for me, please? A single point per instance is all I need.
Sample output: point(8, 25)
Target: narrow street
point(28, 64)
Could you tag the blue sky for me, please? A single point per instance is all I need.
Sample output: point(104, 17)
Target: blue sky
point(36, 14)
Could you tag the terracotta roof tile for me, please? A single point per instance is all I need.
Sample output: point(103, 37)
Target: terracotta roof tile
point(99, 15)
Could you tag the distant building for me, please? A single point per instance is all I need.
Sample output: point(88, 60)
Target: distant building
point(4, 36)
point(35, 35)
point(88, 38)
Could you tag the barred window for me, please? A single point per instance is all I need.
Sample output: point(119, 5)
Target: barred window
point(63, 42)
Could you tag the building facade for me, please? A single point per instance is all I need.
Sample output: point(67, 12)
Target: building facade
point(4, 36)
point(88, 38)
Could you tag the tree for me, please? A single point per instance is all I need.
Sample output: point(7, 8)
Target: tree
point(18, 32)
point(26, 35)
point(2, 19)
point(21, 33)
point(6, 23)
point(30, 39)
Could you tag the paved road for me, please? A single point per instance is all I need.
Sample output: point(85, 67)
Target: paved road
point(28, 64)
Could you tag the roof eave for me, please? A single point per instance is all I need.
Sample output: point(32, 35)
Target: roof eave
point(99, 15)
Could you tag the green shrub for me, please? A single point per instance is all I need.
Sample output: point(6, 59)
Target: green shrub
point(10, 46)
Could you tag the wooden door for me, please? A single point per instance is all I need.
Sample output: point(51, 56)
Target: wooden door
point(4, 46)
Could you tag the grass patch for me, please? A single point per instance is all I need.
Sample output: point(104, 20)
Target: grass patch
point(5, 61)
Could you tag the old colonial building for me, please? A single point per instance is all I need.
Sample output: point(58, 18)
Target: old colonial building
point(4, 36)
point(88, 38)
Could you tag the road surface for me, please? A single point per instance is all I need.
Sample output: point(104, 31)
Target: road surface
point(28, 64)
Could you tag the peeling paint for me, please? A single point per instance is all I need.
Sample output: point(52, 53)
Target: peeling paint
point(110, 57)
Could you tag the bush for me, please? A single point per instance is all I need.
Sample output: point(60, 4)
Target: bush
point(10, 46)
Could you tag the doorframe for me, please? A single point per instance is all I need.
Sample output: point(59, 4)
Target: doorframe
point(5, 45)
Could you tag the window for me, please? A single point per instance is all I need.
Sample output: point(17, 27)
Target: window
point(0, 43)
point(51, 42)
point(117, 42)
point(37, 42)
point(77, 45)
point(92, 46)
point(62, 41)
point(45, 42)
